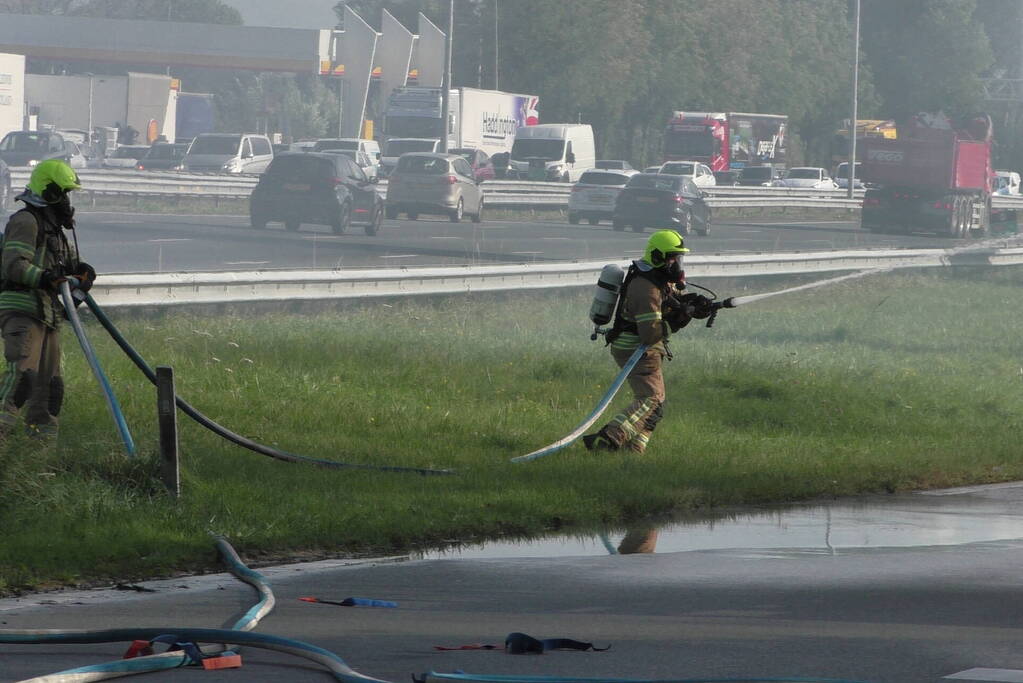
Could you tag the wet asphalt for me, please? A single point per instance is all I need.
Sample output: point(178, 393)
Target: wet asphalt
point(905, 588)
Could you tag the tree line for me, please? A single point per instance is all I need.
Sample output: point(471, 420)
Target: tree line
point(625, 65)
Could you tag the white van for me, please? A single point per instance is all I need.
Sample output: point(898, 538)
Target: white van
point(552, 151)
point(228, 153)
point(370, 147)
point(395, 147)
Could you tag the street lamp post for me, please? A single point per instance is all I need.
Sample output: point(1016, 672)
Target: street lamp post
point(445, 102)
point(89, 128)
point(855, 102)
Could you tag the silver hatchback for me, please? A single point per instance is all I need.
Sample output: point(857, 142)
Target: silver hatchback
point(438, 184)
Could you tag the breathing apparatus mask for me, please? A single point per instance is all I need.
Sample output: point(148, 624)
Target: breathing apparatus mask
point(58, 201)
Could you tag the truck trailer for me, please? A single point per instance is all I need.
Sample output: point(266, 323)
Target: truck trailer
point(726, 140)
point(935, 177)
point(480, 119)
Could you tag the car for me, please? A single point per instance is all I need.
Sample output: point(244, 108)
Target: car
point(613, 164)
point(368, 166)
point(125, 156)
point(1006, 182)
point(75, 156)
point(302, 146)
point(842, 176)
point(163, 156)
point(434, 183)
point(317, 188)
point(726, 178)
point(482, 166)
point(229, 153)
point(662, 200)
point(29, 147)
point(699, 173)
point(758, 176)
point(395, 147)
point(593, 197)
point(812, 177)
point(652, 169)
point(370, 147)
point(6, 187)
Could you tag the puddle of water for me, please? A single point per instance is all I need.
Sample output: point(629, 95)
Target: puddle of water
point(891, 522)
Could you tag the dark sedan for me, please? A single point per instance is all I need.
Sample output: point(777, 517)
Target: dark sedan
point(319, 188)
point(657, 200)
point(162, 156)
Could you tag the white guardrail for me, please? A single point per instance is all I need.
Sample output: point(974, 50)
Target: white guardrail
point(500, 193)
point(168, 289)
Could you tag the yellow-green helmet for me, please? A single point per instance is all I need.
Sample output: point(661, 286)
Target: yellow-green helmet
point(661, 245)
point(53, 172)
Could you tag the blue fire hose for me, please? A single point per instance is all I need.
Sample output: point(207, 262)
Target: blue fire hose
point(593, 416)
point(90, 355)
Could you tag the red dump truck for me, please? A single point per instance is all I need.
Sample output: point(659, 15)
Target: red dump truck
point(933, 178)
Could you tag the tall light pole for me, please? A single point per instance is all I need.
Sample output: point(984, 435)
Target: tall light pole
point(89, 127)
point(855, 102)
point(445, 96)
point(496, 46)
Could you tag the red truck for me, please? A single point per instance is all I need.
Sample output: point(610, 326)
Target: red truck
point(932, 178)
point(726, 141)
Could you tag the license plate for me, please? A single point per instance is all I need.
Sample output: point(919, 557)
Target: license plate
point(600, 198)
point(297, 187)
point(649, 200)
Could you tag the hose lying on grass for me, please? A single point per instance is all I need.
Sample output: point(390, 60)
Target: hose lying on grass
point(225, 433)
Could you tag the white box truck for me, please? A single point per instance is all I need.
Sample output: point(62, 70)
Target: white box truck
point(479, 119)
point(12, 93)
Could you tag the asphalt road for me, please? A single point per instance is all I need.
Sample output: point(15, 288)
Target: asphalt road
point(125, 242)
point(900, 589)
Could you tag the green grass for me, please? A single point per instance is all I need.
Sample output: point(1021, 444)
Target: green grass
point(885, 383)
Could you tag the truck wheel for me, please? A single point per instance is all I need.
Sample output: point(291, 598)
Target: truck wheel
point(391, 212)
point(573, 218)
point(618, 226)
point(593, 221)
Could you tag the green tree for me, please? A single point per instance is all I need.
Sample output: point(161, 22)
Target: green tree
point(926, 55)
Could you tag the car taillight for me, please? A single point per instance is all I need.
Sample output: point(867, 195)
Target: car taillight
point(576, 188)
point(337, 181)
point(941, 205)
point(678, 199)
point(139, 167)
point(451, 180)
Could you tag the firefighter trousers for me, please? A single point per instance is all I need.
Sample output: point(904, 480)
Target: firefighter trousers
point(31, 376)
point(632, 428)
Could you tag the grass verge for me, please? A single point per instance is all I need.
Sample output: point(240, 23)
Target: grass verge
point(886, 383)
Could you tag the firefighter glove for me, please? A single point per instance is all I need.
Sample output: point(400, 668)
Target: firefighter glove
point(700, 307)
point(86, 275)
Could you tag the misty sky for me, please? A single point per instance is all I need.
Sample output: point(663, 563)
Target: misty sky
point(290, 14)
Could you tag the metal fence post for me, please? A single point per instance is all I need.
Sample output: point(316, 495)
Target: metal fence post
point(170, 469)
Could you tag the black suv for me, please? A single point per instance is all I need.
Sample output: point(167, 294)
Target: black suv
point(309, 187)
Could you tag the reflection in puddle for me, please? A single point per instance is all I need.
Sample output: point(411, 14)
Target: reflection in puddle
point(900, 521)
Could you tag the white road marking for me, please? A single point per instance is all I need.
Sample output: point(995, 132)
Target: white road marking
point(797, 223)
point(318, 238)
point(1000, 675)
point(520, 253)
point(402, 256)
point(445, 237)
point(172, 239)
point(972, 489)
point(556, 238)
point(245, 263)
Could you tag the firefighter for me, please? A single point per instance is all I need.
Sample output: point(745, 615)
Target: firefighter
point(36, 258)
point(650, 307)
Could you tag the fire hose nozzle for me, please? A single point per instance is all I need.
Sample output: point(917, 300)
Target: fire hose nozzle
point(728, 303)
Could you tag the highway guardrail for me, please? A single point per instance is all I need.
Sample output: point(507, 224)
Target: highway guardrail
point(499, 193)
point(169, 289)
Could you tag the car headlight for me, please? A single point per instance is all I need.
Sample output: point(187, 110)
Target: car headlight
point(33, 162)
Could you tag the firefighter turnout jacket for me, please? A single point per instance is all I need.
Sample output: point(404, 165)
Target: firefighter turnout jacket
point(32, 245)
